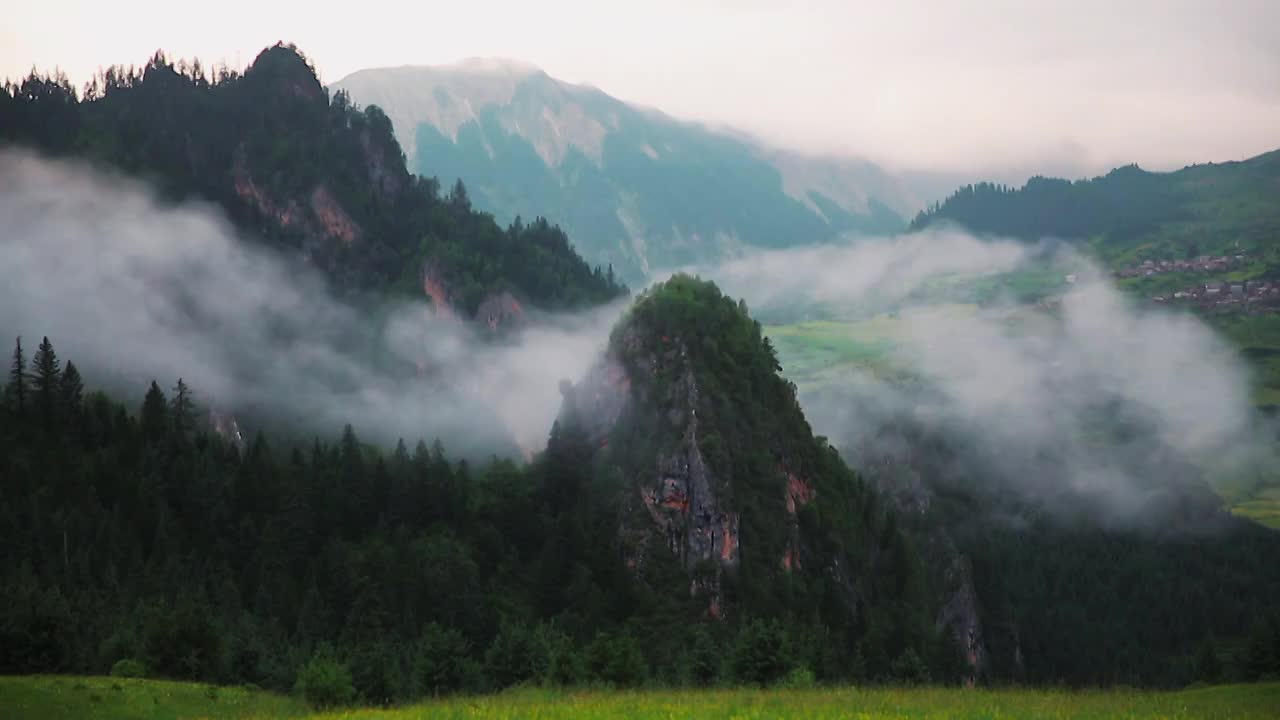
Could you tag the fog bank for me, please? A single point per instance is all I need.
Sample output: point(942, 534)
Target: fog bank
point(131, 289)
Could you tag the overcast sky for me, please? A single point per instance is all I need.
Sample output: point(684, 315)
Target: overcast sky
point(1064, 87)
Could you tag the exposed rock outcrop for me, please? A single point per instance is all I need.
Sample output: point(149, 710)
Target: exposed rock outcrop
point(319, 219)
point(799, 492)
point(960, 612)
point(500, 312)
point(331, 219)
point(679, 503)
point(434, 287)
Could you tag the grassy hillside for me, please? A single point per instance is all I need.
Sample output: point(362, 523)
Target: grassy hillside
point(36, 698)
point(1130, 214)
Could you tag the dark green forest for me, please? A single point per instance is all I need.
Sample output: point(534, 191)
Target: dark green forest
point(304, 172)
point(1131, 214)
point(1068, 589)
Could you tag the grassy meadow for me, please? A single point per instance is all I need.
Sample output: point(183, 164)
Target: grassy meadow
point(47, 697)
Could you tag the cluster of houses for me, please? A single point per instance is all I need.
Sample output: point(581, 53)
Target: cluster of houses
point(1253, 292)
point(1204, 263)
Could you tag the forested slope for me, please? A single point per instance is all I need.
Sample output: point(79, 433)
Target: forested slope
point(307, 173)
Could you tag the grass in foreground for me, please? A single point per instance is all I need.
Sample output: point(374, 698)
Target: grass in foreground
point(58, 697)
point(46, 697)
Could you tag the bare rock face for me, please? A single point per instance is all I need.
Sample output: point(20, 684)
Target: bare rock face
point(500, 312)
point(960, 614)
point(799, 492)
point(331, 218)
point(321, 218)
point(434, 287)
point(678, 504)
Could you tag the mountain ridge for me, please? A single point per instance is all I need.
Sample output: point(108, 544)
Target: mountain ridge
point(308, 174)
point(638, 188)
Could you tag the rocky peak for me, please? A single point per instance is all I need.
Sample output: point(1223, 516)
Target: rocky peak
point(688, 409)
point(282, 67)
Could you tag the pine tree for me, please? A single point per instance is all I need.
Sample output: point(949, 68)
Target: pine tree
point(1208, 666)
point(17, 387)
point(182, 408)
point(458, 197)
point(71, 391)
point(154, 413)
point(45, 377)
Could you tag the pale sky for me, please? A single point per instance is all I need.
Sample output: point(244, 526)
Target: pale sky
point(1044, 86)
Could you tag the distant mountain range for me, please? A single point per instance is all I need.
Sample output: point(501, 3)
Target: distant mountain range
point(632, 187)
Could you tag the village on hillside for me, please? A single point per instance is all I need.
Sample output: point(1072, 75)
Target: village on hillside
point(1204, 263)
point(1260, 294)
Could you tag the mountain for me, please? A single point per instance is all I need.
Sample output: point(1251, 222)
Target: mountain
point(1130, 215)
point(306, 174)
point(716, 478)
point(636, 189)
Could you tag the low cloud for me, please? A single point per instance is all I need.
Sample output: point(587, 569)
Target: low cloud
point(880, 271)
point(132, 289)
point(1088, 393)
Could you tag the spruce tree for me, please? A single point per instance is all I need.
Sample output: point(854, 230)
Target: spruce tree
point(155, 411)
point(45, 376)
point(458, 197)
point(71, 390)
point(17, 388)
point(182, 408)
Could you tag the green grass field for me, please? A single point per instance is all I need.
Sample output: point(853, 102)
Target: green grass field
point(38, 698)
point(817, 352)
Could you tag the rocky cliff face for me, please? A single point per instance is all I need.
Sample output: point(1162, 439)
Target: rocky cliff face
point(317, 216)
point(678, 504)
